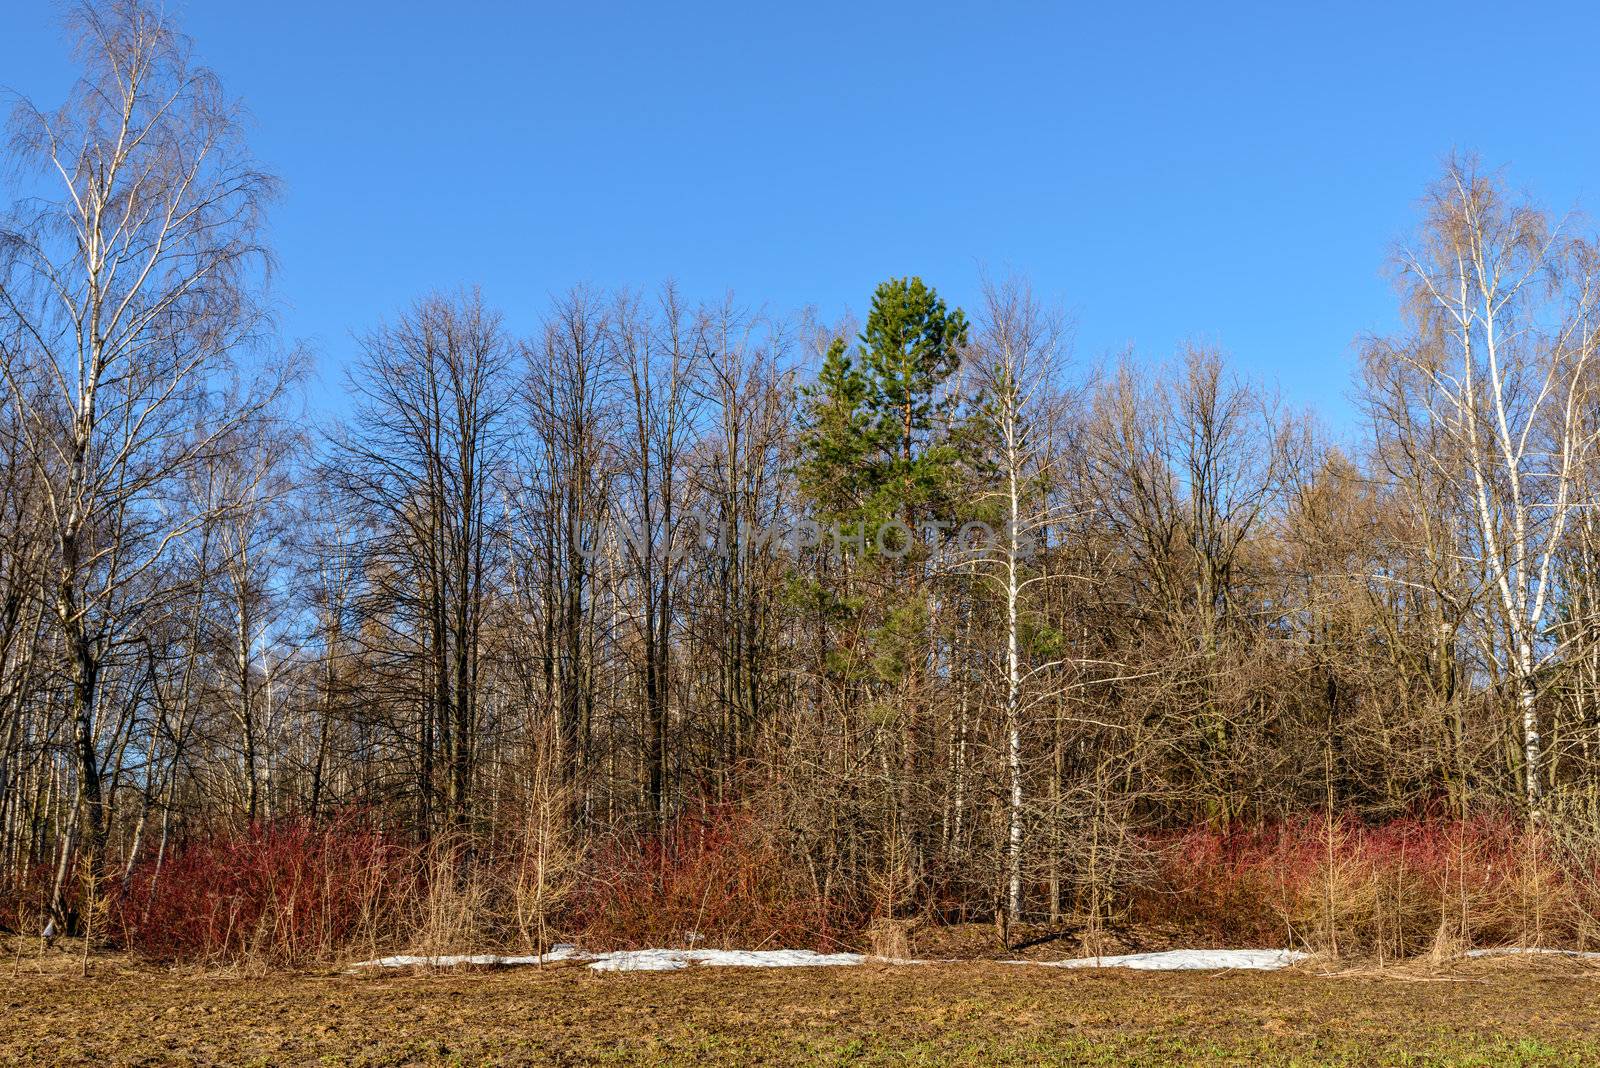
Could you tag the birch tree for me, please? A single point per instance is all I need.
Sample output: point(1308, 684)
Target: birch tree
point(1503, 305)
point(1021, 348)
point(133, 277)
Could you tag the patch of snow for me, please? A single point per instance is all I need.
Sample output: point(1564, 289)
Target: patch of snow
point(555, 953)
point(1178, 960)
point(671, 960)
point(633, 960)
point(407, 960)
point(641, 960)
point(1507, 950)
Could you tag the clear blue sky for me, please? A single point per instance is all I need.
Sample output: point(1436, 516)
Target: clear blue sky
point(1230, 173)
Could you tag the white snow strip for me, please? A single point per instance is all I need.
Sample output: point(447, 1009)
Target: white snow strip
point(671, 960)
point(1509, 950)
point(555, 953)
point(1180, 960)
point(668, 960)
point(641, 960)
point(636, 960)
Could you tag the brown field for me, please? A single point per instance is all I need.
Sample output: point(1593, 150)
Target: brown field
point(968, 1013)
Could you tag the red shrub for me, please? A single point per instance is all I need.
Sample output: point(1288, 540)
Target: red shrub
point(22, 903)
point(712, 880)
point(1394, 888)
point(288, 893)
point(293, 893)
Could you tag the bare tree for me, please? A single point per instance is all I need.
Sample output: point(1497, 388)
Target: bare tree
point(134, 287)
point(422, 470)
point(564, 499)
point(657, 357)
point(1021, 349)
point(741, 476)
point(1502, 361)
point(251, 482)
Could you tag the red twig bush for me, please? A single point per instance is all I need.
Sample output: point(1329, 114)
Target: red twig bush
point(1394, 889)
point(295, 894)
point(286, 893)
point(710, 880)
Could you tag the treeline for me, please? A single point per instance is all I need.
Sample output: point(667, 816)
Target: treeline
point(960, 620)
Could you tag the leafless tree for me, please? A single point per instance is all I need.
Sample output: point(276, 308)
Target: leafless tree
point(422, 471)
point(133, 288)
point(656, 354)
point(1021, 351)
point(1504, 308)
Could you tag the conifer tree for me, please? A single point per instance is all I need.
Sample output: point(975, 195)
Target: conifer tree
point(878, 434)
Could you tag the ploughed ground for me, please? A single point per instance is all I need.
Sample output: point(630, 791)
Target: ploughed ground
point(1522, 1011)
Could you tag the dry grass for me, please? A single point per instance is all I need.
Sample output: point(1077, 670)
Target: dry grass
point(977, 1012)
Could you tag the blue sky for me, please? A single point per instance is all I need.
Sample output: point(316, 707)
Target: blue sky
point(1235, 174)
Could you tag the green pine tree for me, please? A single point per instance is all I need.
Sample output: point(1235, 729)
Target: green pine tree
point(836, 439)
point(879, 440)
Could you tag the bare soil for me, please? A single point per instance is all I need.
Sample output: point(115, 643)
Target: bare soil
point(974, 1012)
